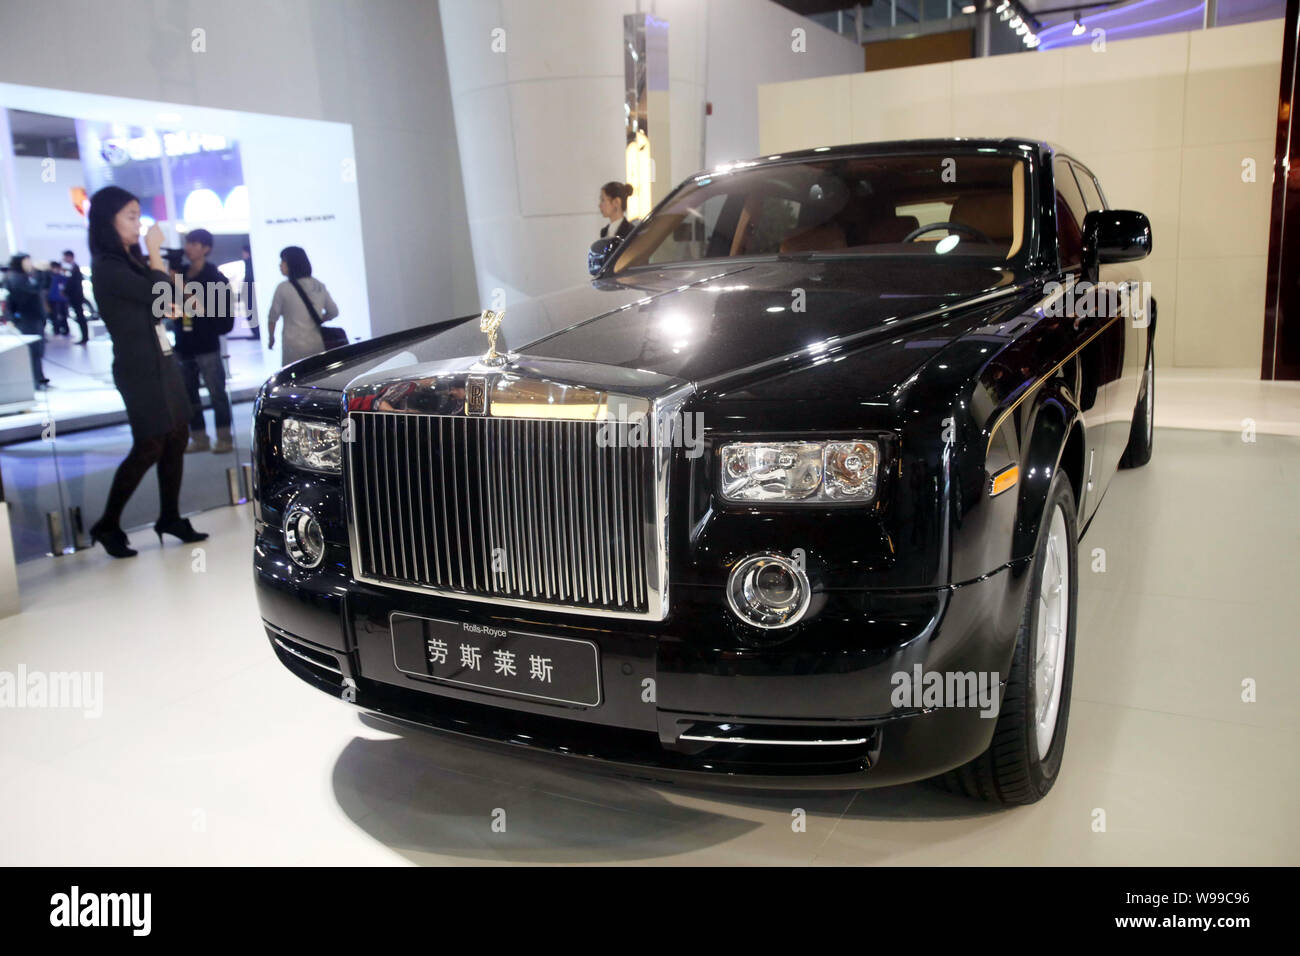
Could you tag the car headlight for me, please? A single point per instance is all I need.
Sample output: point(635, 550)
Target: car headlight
point(800, 471)
point(316, 446)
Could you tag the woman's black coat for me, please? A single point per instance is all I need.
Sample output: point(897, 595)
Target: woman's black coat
point(25, 302)
point(624, 228)
point(150, 381)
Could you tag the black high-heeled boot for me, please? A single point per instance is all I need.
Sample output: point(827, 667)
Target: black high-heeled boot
point(180, 528)
point(113, 539)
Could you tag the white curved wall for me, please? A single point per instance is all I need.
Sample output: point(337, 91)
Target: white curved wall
point(540, 126)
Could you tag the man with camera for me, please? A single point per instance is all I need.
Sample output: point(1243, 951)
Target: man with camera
point(206, 316)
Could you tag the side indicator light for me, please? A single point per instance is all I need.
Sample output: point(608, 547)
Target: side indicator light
point(1004, 479)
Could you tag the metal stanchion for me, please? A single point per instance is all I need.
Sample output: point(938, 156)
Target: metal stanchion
point(232, 483)
point(80, 540)
point(54, 525)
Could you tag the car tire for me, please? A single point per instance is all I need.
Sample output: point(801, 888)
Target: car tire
point(1018, 767)
point(1143, 432)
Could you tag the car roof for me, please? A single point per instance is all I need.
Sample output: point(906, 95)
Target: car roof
point(887, 147)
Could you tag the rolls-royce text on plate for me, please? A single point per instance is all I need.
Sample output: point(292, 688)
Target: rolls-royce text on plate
point(787, 494)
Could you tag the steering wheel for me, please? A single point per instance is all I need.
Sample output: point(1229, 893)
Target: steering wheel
point(951, 227)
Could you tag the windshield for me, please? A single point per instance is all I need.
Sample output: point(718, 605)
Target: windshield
point(926, 205)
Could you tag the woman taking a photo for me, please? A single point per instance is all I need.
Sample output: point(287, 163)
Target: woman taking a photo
point(304, 303)
point(144, 370)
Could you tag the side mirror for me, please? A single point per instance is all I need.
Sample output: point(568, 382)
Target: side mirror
point(1114, 235)
point(599, 252)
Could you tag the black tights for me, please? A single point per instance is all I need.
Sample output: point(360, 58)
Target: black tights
point(167, 451)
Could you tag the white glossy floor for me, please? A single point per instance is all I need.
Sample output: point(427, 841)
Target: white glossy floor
point(208, 752)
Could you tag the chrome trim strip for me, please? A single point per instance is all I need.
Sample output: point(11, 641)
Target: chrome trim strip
point(299, 654)
point(455, 499)
point(529, 388)
point(776, 743)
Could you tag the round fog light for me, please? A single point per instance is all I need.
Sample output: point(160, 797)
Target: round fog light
point(768, 591)
point(303, 538)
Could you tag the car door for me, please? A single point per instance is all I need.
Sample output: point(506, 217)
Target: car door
point(1101, 360)
point(1123, 396)
point(1136, 319)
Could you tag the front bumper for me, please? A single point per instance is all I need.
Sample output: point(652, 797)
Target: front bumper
point(679, 692)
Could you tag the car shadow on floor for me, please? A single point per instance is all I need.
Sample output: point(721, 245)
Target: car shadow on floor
point(434, 799)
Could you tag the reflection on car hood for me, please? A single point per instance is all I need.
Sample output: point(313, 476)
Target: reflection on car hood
point(767, 313)
point(709, 322)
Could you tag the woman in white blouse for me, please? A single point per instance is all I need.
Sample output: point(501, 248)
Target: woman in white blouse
point(301, 328)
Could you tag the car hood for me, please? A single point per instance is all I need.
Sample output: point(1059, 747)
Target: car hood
point(711, 326)
point(770, 316)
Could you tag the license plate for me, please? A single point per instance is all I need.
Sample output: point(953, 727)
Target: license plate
point(561, 670)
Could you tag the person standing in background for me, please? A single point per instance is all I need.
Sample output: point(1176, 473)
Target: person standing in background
point(76, 293)
point(304, 303)
point(613, 206)
point(144, 369)
point(198, 342)
point(27, 310)
point(58, 300)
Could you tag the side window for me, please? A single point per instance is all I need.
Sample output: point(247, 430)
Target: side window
point(1088, 186)
point(1070, 210)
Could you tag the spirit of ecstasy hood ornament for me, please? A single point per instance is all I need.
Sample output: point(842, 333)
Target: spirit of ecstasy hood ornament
point(489, 323)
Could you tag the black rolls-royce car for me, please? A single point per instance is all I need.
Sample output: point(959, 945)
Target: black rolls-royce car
point(787, 494)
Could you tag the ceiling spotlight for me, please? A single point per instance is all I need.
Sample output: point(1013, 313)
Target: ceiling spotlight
point(1016, 23)
point(1032, 41)
point(969, 8)
point(1022, 29)
point(1078, 27)
point(1003, 5)
point(1004, 13)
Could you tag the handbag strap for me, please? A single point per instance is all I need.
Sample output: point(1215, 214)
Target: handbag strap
point(311, 309)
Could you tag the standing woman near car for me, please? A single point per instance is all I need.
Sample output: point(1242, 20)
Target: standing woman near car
point(144, 369)
point(613, 206)
point(304, 303)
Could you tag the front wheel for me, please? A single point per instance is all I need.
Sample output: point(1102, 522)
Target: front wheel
point(1024, 757)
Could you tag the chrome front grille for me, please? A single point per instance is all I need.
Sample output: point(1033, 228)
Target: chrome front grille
point(518, 511)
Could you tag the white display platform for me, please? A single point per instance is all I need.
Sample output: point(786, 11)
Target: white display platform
point(10, 603)
point(16, 386)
